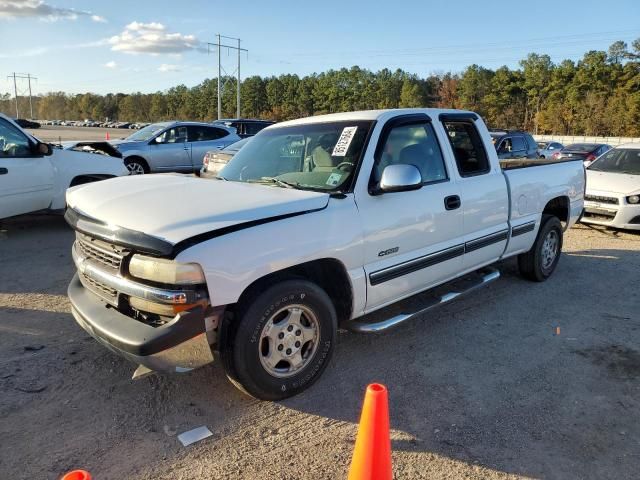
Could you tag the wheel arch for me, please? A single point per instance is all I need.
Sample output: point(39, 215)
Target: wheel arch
point(558, 207)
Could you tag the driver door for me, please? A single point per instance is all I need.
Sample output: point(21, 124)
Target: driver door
point(412, 239)
point(26, 179)
point(170, 151)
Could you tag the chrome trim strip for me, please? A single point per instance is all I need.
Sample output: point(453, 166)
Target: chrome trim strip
point(364, 327)
point(485, 241)
point(522, 229)
point(128, 287)
point(410, 266)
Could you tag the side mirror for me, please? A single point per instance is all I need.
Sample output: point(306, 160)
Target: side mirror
point(44, 149)
point(400, 178)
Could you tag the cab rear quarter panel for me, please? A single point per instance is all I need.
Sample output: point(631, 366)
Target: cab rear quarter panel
point(532, 189)
point(234, 261)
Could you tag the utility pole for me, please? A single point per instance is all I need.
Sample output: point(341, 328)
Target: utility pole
point(15, 89)
point(220, 46)
point(30, 102)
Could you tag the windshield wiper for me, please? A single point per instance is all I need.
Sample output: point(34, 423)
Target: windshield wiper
point(276, 181)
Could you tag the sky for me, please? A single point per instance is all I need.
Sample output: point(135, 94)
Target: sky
point(146, 46)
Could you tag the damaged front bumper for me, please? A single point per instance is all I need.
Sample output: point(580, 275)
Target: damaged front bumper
point(177, 346)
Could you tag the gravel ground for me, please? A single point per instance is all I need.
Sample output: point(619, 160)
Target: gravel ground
point(482, 388)
point(56, 133)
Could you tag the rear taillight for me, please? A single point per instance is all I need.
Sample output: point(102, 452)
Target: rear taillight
point(555, 155)
point(590, 158)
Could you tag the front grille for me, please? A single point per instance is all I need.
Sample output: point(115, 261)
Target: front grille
point(601, 199)
point(103, 291)
point(600, 215)
point(104, 253)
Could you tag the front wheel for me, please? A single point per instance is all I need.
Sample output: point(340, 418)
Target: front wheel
point(539, 263)
point(280, 340)
point(136, 166)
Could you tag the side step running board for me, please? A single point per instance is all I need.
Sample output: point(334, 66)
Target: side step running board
point(481, 278)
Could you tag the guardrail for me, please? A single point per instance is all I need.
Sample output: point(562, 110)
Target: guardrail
point(568, 139)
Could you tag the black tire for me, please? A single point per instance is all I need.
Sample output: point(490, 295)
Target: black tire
point(136, 165)
point(533, 265)
point(243, 348)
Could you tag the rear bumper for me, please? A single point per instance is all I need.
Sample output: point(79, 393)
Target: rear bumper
point(178, 346)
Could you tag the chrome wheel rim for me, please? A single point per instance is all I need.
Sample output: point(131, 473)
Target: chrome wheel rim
point(289, 340)
point(135, 168)
point(550, 249)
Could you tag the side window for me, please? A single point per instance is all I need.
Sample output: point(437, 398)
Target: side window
point(518, 144)
point(467, 147)
point(173, 135)
point(13, 143)
point(201, 133)
point(413, 144)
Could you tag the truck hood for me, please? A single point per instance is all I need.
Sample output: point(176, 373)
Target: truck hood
point(624, 183)
point(176, 207)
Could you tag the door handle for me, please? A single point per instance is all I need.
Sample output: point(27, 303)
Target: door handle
point(3, 171)
point(452, 202)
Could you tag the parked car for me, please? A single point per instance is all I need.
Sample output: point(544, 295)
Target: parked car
point(245, 127)
point(613, 189)
point(24, 123)
point(173, 146)
point(587, 152)
point(320, 222)
point(35, 175)
point(547, 149)
point(514, 144)
point(215, 160)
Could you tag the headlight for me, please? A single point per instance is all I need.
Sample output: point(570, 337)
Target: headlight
point(165, 271)
point(633, 199)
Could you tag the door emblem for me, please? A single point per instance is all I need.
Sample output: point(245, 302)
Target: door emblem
point(384, 253)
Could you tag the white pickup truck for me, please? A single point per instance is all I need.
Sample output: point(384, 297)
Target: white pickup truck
point(316, 223)
point(34, 175)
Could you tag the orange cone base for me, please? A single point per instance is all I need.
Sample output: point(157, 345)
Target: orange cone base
point(372, 453)
point(77, 475)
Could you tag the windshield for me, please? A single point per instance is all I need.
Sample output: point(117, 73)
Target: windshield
point(146, 133)
point(542, 145)
point(581, 147)
point(618, 160)
point(314, 156)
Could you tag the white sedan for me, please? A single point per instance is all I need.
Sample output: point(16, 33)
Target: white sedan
point(613, 189)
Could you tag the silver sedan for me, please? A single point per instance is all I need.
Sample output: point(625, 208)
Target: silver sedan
point(173, 146)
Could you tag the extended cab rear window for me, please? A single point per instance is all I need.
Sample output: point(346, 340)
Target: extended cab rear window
point(467, 147)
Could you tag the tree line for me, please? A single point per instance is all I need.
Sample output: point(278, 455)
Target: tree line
point(597, 95)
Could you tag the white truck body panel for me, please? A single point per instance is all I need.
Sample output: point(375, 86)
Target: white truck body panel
point(352, 229)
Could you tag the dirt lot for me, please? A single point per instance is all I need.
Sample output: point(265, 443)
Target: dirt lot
point(482, 388)
point(55, 133)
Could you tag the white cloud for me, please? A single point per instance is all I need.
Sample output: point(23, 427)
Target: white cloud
point(111, 64)
point(11, 9)
point(167, 67)
point(153, 38)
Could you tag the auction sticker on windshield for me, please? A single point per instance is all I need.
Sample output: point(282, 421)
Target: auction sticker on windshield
point(334, 179)
point(342, 145)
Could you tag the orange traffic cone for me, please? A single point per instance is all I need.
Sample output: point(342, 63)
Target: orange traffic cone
point(77, 475)
point(372, 453)
point(106, 137)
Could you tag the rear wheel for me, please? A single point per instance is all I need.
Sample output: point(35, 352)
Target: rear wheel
point(281, 340)
point(539, 263)
point(136, 166)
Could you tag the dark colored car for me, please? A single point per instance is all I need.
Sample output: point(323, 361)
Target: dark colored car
point(26, 123)
point(215, 160)
point(587, 152)
point(512, 144)
point(245, 127)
